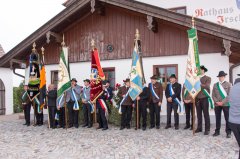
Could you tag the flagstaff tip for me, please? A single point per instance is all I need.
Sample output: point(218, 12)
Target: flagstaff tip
point(63, 42)
point(137, 35)
point(92, 44)
point(34, 47)
point(193, 22)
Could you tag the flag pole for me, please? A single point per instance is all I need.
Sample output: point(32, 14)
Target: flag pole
point(42, 49)
point(95, 105)
point(65, 96)
point(137, 116)
point(194, 102)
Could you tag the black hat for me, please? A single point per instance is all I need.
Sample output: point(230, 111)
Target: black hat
point(126, 80)
point(204, 68)
point(238, 74)
point(154, 77)
point(86, 80)
point(74, 79)
point(104, 83)
point(221, 74)
point(173, 76)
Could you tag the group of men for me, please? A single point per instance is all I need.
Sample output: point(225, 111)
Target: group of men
point(151, 97)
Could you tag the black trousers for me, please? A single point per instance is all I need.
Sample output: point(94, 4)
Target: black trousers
point(39, 116)
point(154, 114)
point(172, 106)
point(62, 121)
point(102, 120)
point(27, 110)
point(142, 113)
point(189, 113)
point(218, 113)
point(72, 114)
point(236, 131)
point(52, 111)
point(88, 117)
point(126, 116)
point(202, 106)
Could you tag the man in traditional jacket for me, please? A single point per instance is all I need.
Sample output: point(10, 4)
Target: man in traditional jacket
point(142, 100)
point(155, 101)
point(220, 94)
point(102, 109)
point(173, 95)
point(126, 105)
point(188, 103)
point(87, 105)
point(72, 98)
point(52, 107)
point(26, 105)
point(202, 105)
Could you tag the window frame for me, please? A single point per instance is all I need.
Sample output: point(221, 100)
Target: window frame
point(52, 74)
point(110, 69)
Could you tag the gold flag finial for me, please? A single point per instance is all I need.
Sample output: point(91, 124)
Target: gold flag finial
point(42, 49)
point(193, 22)
point(137, 35)
point(63, 42)
point(34, 47)
point(92, 44)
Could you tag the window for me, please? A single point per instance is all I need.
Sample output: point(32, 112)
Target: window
point(164, 72)
point(54, 77)
point(110, 75)
point(181, 10)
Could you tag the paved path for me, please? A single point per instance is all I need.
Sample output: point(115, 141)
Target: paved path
point(18, 141)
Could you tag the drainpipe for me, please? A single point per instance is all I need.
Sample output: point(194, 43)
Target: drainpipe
point(231, 71)
point(14, 72)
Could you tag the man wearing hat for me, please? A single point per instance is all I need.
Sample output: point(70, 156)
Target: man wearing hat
point(202, 105)
point(220, 94)
point(125, 104)
point(155, 101)
point(173, 95)
point(26, 105)
point(87, 105)
point(109, 90)
point(72, 98)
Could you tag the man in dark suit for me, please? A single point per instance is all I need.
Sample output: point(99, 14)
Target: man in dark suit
point(173, 95)
point(52, 108)
point(202, 105)
point(142, 100)
point(126, 104)
point(26, 104)
point(155, 101)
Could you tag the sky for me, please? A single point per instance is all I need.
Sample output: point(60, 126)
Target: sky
point(19, 18)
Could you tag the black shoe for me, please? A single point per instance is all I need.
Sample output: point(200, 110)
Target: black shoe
point(229, 135)
point(216, 134)
point(28, 124)
point(206, 133)
point(186, 127)
point(76, 126)
point(39, 124)
point(99, 127)
point(176, 127)
point(89, 126)
point(167, 127)
point(157, 127)
point(25, 124)
point(85, 125)
point(128, 127)
point(104, 129)
point(198, 130)
point(151, 127)
point(143, 128)
point(122, 127)
point(63, 127)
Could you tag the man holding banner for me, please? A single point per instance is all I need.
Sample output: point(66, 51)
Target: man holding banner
point(220, 94)
point(203, 101)
point(73, 96)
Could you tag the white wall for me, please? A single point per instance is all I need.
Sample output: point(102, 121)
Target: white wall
point(6, 76)
point(214, 63)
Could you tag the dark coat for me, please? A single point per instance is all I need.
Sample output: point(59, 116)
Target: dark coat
point(158, 90)
point(52, 98)
point(110, 92)
point(123, 91)
point(177, 90)
point(144, 96)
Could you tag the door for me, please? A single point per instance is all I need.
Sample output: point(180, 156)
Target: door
point(2, 98)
